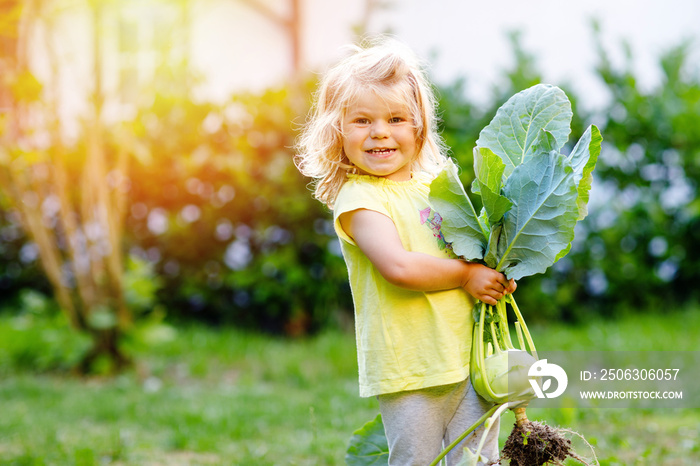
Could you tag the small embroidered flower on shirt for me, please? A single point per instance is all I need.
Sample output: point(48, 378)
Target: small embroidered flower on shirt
point(434, 221)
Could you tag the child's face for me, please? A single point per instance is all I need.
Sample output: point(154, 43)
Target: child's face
point(379, 136)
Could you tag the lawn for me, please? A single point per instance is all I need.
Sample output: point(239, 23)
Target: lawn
point(223, 397)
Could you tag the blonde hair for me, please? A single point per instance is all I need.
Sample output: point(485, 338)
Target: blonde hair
point(379, 65)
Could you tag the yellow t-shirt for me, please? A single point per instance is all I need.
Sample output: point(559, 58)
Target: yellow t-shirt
point(406, 339)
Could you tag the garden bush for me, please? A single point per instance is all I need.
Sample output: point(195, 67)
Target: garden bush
point(217, 207)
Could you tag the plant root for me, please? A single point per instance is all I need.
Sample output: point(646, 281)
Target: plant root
point(535, 444)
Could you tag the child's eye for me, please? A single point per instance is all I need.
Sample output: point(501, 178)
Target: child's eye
point(396, 120)
point(361, 121)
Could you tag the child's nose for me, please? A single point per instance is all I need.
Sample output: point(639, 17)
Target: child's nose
point(380, 130)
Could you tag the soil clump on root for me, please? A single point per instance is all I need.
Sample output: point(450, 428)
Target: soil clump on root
point(535, 444)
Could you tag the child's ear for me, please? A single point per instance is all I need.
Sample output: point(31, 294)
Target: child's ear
point(344, 162)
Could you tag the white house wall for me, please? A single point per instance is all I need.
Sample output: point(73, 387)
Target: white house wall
point(231, 46)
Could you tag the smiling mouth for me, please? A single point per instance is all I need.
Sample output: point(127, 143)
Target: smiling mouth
point(380, 151)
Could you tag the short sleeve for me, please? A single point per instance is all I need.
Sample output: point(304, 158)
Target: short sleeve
point(355, 195)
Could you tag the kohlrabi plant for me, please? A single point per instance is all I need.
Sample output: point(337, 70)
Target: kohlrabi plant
point(532, 196)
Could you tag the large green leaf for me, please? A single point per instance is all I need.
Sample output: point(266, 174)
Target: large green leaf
point(540, 225)
point(489, 176)
point(368, 445)
point(460, 221)
point(532, 196)
point(583, 159)
point(495, 248)
point(544, 143)
point(516, 129)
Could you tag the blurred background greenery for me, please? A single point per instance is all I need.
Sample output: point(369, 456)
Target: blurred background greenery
point(130, 232)
point(213, 215)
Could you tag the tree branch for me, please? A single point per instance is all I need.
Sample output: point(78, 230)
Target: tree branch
point(267, 12)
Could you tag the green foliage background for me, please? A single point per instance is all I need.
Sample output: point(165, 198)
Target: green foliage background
point(229, 226)
point(638, 248)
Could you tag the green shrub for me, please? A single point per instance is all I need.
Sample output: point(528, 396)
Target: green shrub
point(37, 338)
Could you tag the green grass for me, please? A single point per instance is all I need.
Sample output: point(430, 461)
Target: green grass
point(223, 397)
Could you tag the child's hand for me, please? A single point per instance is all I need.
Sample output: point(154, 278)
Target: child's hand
point(486, 284)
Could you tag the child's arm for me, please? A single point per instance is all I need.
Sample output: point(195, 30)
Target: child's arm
point(376, 235)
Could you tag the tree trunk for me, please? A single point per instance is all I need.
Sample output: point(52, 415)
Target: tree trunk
point(105, 345)
point(86, 273)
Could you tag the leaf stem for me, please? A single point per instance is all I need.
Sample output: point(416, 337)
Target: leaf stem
point(494, 335)
point(523, 325)
point(487, 427)
point(505, 330)
point(473, 427)
point(478, 340)
point(519, 332)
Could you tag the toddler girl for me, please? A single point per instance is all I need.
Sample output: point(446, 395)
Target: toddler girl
point(372, 147)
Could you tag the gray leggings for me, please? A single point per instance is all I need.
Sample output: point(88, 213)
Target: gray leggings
point(420, 423)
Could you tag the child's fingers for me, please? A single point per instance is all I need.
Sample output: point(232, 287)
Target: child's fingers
point(493, 295)
point(508, 286)
point(488, 299)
